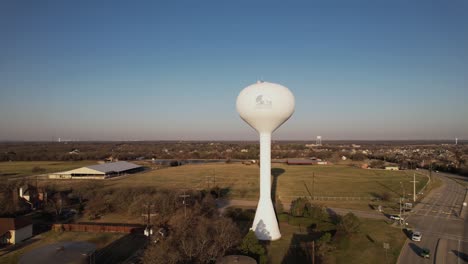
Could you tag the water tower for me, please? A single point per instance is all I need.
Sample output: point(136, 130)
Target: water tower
point(265, 107)
point(318, 142)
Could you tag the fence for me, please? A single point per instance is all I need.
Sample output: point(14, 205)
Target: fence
point(333, 198)
point(98, 228)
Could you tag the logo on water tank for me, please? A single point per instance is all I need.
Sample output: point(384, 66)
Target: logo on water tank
point(263, 102)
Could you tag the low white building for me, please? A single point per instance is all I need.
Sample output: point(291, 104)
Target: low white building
point(100, 171)
point(15, 230)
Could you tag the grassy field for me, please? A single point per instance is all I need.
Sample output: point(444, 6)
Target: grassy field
point(101, 240)
point(363, 247)
point(288, 182)
point(367, 245)
point(24, 168)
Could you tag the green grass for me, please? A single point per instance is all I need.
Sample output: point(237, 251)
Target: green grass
point(101, 240)
point(367, 245)
point(291, 182)
point(363, 247)
point(24, 168)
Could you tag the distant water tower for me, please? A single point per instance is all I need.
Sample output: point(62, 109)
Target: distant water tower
point(318, 141)
point(456, 141)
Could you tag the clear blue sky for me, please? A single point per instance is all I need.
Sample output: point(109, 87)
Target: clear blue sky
point(160, 70)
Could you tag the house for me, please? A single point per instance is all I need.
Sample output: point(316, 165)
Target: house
point(74, 152)
point(392, 168)
point(15, 230)
point(36, 197)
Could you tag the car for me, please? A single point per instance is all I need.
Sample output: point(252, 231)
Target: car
point(425, 253)
point(416, 236)
point(396, 217)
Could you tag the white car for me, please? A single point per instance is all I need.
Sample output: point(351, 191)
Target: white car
point(416, 236)
point(395, 217)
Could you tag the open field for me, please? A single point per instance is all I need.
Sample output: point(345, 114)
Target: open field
point(363, 247)
point(101, 240)
point(25, 168)
point(288, 182)
point(367, 245)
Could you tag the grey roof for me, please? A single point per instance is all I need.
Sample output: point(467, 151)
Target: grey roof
point(118, 166)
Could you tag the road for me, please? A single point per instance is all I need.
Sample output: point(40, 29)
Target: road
point(443, 224)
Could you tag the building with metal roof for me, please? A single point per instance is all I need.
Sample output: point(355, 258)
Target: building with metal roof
point(99, 171)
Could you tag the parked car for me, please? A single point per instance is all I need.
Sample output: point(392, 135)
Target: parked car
point(416, 236)
point(425, 253)
point(396, 217)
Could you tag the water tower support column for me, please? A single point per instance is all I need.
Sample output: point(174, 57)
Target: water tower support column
point(265, 224)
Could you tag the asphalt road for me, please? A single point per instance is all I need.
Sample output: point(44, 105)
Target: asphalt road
point(444, 229)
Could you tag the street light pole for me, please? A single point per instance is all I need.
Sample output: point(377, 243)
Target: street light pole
point(414, 187)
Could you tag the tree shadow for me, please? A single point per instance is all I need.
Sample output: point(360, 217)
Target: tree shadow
point(334, 217)
point(261, 232)
point(370, 238)
point(276, 172)
point(461, 255)
point(376, 196)
point(121, 249)
point(388, 188)
point(300, 249)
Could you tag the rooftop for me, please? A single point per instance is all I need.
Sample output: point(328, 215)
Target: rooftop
point(11, 223)
point(118, 166)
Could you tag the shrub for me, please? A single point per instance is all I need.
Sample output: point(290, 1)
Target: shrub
point(251, 246)
point(349, 224)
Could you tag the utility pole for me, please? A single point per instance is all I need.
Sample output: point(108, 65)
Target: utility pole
point(148, 214)
point(184, 203)
point(400, 210)
point(208, 181)
point(148, 230)
point(414, 187)
point(401, 201)
point(313, 251)
point(313, 185)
